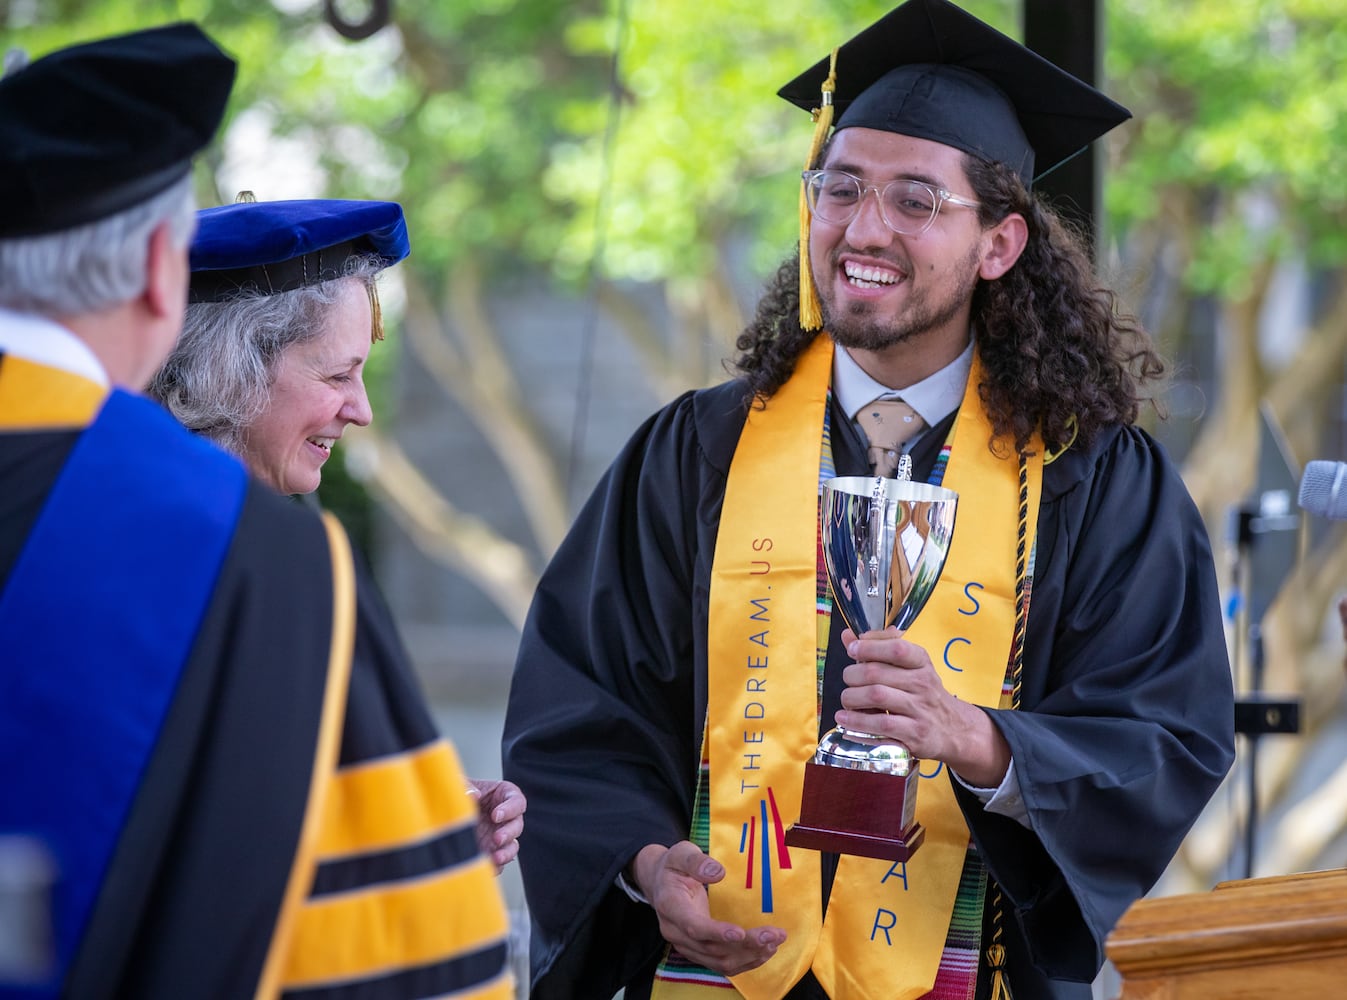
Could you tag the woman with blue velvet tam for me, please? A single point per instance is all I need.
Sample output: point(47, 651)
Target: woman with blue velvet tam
point(282, 313)
point(281, 317)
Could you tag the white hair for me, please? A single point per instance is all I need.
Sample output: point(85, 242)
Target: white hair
point(93, 266)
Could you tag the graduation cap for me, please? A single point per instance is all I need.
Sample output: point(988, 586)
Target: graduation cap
point(91, 130)
point(931, 70)
point(278, 246)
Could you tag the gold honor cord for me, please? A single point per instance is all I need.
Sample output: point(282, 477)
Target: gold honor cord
point(887, 922)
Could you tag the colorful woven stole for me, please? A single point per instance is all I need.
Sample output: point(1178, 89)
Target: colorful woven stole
point(887, 923)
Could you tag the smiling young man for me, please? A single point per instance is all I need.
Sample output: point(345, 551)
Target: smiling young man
point(1066, 688)
point(881, 288)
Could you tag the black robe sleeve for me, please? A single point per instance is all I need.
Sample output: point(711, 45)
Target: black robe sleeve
point(1126, 726)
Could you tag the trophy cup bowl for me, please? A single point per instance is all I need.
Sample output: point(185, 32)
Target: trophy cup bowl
point(884, 545)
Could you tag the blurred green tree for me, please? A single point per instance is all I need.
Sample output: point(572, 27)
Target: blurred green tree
point(622, 149)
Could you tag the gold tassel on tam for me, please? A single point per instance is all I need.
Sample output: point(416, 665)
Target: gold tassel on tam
point(811, 318)
point(376, 314)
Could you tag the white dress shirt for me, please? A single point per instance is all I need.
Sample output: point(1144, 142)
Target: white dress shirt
point(39, 340)
point(934, 397)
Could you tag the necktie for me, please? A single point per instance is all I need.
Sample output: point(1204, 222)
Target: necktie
point(888, 425)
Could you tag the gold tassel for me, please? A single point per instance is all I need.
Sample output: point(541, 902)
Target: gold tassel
point(811, 317)
point(996, 957)
point(376, 314)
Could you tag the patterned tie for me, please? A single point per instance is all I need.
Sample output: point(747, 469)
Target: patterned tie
point(888, 425)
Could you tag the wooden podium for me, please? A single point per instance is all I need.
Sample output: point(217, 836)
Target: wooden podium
point(1284, 936)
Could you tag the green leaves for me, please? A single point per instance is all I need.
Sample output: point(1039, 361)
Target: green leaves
point(1241, 108)
point(503, 129)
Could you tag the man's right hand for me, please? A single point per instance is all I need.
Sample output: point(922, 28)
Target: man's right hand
point(674, 879)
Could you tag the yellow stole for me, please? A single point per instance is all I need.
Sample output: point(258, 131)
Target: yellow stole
point(887, 922)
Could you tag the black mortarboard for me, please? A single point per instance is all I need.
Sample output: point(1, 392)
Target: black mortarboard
point(93, 129)
point(279, 246)
point(931, 70)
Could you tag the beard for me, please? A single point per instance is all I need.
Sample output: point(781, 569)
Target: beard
point(861, 325)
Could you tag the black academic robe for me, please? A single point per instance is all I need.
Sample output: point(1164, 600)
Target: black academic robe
point(194, 887)
point(1125, 728)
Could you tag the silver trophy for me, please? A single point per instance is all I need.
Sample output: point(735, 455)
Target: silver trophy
point(884, 545)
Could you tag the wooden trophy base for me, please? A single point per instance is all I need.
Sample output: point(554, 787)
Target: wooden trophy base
point(865, 813)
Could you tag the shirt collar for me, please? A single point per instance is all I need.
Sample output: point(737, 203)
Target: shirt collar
point(41, 341)
point(934, 397)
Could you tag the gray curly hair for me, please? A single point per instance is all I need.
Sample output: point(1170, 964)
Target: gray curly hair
point(220, 374)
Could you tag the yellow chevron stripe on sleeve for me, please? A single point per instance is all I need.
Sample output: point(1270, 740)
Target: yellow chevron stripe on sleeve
point(377, 931)
point(395, 801)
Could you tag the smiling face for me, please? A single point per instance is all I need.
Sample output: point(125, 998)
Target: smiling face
point(878, 288)
point(319, 389)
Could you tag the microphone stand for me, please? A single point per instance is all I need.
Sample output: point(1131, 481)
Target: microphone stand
point(1255, 715)
point(1252, 735)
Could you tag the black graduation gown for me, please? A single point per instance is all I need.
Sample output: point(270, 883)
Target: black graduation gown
point(195, 883)
point(1125, 732)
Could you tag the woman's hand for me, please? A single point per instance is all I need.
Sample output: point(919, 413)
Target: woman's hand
point(501, 806)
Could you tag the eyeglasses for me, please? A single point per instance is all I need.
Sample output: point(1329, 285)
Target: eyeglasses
point(907, 207)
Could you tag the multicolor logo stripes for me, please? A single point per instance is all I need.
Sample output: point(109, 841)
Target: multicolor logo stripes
point(762, 837)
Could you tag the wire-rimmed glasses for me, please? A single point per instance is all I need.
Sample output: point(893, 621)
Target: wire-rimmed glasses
point(907, 207)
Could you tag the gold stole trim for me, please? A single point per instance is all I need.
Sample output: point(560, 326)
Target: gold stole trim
point(36, 397)
point(324, 758)
point(887, 922)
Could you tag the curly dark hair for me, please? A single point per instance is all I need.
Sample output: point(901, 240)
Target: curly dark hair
point(1060, 355)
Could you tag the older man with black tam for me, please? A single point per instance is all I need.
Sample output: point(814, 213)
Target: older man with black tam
point(208, 728)
point(1066, 688)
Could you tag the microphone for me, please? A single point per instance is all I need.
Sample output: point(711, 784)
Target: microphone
point(1323, 489)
